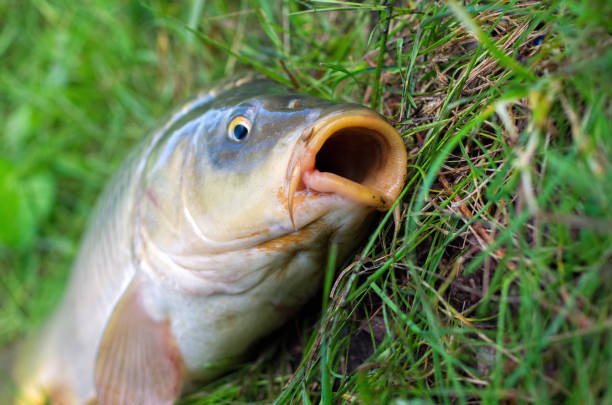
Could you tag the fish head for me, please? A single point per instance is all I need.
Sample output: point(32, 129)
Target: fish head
point(256, 163)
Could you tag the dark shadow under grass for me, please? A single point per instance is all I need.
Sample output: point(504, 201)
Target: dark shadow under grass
point(489, 281)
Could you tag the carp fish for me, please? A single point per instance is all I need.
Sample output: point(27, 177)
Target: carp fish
point(211, 234)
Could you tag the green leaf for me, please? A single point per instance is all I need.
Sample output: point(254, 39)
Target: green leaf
point(39, 191)
point(18, 225)
point(18, 127)
point(24, 203)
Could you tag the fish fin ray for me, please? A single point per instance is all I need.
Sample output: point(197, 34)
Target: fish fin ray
point(138, 361)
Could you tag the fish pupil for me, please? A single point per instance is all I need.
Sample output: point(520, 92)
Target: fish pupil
point(240, 132)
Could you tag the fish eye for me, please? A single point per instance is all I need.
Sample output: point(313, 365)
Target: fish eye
point(238, 129)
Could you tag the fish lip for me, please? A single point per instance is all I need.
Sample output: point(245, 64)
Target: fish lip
point(384, 180)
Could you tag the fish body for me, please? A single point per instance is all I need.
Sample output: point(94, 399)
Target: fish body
point(211, 234)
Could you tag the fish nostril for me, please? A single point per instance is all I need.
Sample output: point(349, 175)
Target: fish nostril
point(295, 104)
point(356, 154)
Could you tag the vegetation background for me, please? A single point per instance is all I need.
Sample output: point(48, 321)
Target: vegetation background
point(490, 281)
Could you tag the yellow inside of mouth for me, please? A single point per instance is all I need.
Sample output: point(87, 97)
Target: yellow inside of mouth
point(357, 156)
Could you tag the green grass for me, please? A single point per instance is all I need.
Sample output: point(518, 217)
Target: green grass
point(491, 281)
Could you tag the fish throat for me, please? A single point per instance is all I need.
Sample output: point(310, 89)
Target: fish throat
point(356, 154)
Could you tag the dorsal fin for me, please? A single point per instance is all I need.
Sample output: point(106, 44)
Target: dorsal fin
point(138, 361)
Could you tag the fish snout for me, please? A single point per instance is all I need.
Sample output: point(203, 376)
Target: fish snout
point(357, 155)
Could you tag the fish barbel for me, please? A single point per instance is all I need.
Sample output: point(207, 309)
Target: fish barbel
point(211, 234)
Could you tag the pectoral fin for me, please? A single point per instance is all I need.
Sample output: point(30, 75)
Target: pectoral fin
point(138, 362)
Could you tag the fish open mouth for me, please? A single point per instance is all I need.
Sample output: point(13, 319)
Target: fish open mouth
point(358, 156)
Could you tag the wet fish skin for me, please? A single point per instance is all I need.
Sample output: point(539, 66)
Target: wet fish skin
point(198, 247)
